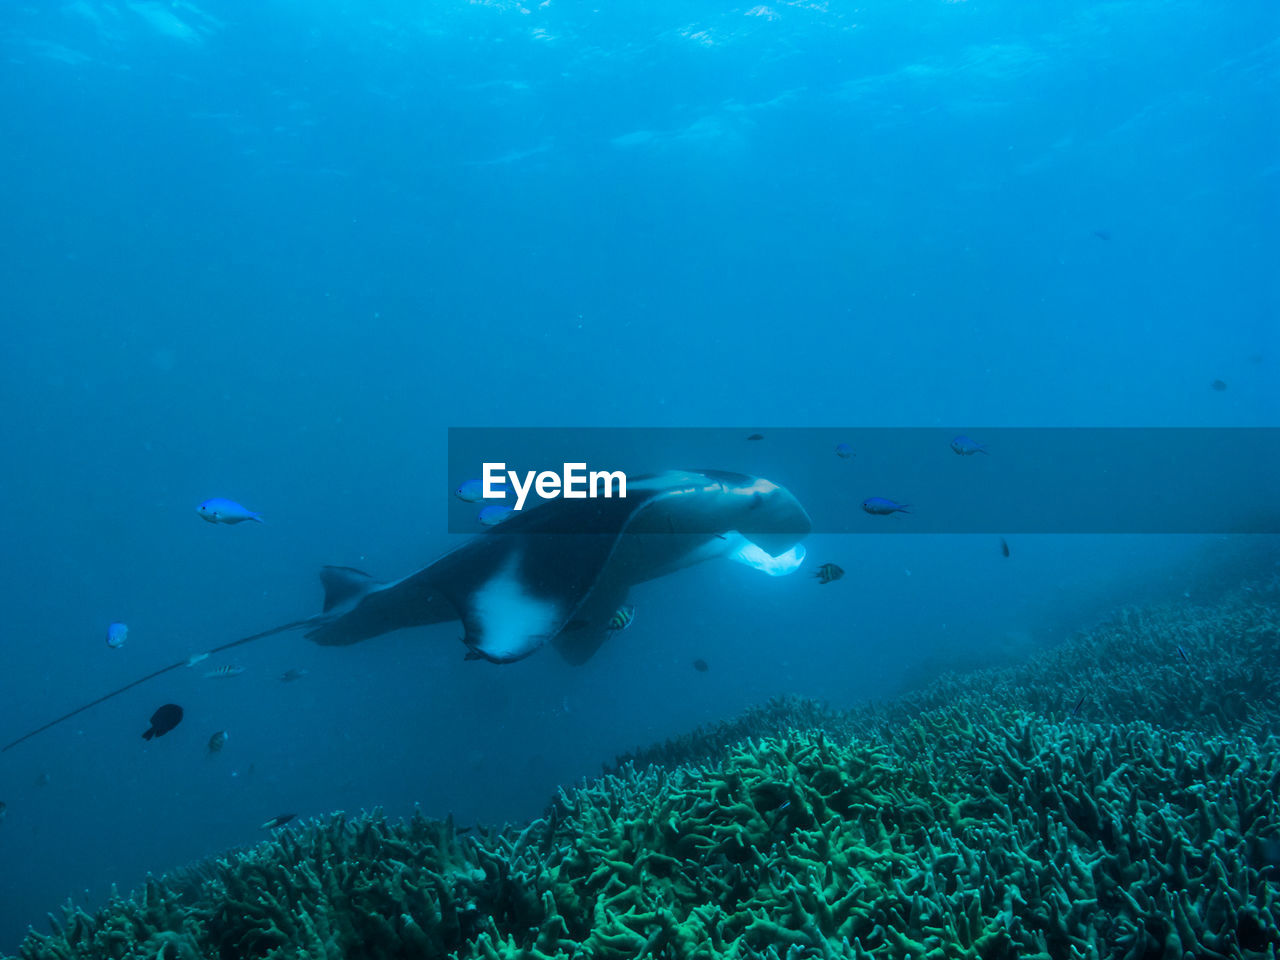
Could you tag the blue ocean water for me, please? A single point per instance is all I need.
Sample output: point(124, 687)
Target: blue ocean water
point(271, 251)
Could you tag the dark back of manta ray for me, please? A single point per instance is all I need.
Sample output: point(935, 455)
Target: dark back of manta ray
point(570, 544)
point(566, 547)
point(559, 550)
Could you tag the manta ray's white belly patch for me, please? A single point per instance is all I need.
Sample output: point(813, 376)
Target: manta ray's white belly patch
point(508, 620)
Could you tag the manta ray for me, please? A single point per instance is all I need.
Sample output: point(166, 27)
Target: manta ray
point(556, 573)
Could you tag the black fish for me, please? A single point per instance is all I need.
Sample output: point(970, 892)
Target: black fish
point(1183, 654)
point(756, 436)
point(163, 720)
point(278, 821)
point(828, 572)
point(701, 666)
point(1076, 709)
point(1004, 547)
point(1219, 385)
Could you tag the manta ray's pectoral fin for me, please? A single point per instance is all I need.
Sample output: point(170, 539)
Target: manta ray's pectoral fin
point(589, 629)
point(743, 551)
point(579, 640)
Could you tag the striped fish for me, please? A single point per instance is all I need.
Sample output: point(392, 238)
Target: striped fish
point(828, 572)
point(622, 618)
point(228, 670)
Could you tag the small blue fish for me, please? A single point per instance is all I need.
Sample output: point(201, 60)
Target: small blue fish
point(471, 491)
point(844, 451)
point(117, 634)
point(218, 510)
point(494, 515)
point(228, 670)
point(965, 447)
point(1183, 654)
point(881, 507)
point(622, 618)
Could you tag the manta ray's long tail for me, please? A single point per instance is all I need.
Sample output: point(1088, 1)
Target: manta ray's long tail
point(152, 676)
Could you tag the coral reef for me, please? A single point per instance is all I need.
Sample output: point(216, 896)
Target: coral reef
point(1126, 669)
point(978, 818)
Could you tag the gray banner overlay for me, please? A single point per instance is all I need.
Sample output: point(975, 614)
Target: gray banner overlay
point(966, 480)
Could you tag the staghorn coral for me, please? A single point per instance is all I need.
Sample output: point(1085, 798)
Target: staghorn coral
point(1126, 669)
point(975, 819)
point(1129, 669)
point(786, 712)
